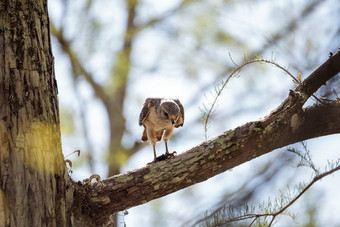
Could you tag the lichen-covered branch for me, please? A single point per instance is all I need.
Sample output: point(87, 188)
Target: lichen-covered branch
point(288, 124)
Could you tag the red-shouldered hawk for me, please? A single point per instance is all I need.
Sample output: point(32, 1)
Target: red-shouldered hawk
point(158, 116)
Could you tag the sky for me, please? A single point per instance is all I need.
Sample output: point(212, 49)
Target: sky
point(259, 89)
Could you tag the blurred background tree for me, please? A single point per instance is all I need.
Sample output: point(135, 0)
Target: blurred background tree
point(111, 55)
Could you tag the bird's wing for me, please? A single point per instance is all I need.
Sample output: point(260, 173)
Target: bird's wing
point(149, 102)
point(144, 112)
point(180, 120)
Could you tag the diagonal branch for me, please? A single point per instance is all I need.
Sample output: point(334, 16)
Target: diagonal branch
point(275, 214)
point(315, 179)
point(288, 124)
point(320, 76)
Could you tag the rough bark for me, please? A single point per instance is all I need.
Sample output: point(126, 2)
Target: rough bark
point(32, 170)
point(288, 124)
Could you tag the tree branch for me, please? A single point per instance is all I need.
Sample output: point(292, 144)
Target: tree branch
point(315, 179)
point(288, 124)
point(273, 215)
point(320, 76)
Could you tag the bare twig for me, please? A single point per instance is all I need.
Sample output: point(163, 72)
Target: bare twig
point(74, 152)
point(218, 90)
point(315, 179)
point(306, 159)
point(275, 214)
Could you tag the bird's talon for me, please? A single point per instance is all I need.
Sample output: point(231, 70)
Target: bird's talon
point(171, 155)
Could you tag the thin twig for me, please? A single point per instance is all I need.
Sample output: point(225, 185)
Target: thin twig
point(220, 89)
point(306, 158)
point(274, 215)
point(315, 179)
point(253, 221)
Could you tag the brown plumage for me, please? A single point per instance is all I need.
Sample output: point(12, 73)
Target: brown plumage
point(160, 116)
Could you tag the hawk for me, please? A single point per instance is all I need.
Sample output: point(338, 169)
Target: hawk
point(160, 116)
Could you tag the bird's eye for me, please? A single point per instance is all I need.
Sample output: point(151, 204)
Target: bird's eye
point(166, 114)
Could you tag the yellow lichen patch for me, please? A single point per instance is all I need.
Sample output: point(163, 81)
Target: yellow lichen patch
point(3, 135)
point(212, 156)
point(156, 187)
point(229, 134)
point(40, 148)
point(3, 207)
point(295, 122)
point(194, 167)
point(123, 178)
point(178, 179)
point(268, 129)
point(153, 171)
point(102, 200)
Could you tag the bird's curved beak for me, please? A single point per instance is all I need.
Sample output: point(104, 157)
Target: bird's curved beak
point(172, 119)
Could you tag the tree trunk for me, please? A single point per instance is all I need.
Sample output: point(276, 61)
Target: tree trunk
point(32, 172)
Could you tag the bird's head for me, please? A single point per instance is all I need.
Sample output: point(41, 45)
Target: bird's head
point(170, 110)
